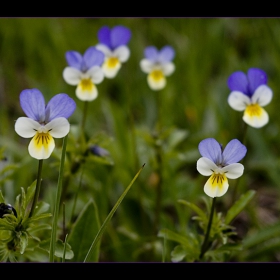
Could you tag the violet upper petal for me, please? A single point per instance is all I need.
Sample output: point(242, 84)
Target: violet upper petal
point(211, 149)
point(256, 78)
point(238, 81)
point(93, 57)
point(33, 104)
point(104, 36)
point(61, 105)
point(233, 152)
point(74, 59)
point(120, 35)
point(151, 53)
point(166, 54)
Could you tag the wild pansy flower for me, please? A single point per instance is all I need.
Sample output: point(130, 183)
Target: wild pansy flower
point(220, 164)
point(85, 72)
point(158, 65)
point(112, 42)
point(249, 94)
point(43, 123)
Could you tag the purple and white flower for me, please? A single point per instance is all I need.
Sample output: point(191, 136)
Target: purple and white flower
point(249, 94)
point(113, 43)
point(158, 65)
point(220, 164)
point(43, 123)
point(84, 72)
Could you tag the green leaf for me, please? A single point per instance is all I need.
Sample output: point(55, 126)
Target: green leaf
point(30, 192)
point(239, 205)
point(83, 232)
point(178, 253)
point(2, 200)
point(110, 215)
point(23, 241)
point(171, 235)
point(59, 249)
point(262, 235)
point(195, 208)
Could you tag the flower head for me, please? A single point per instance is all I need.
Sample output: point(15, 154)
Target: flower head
point(249, 94)
point(84, 72)
point(220, 164)
point(112, 42)
point(43, 123)
point(158, 65)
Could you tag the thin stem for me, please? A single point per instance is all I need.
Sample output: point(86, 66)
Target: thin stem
point(204, 246)
point(37, 191)
point(57, 202)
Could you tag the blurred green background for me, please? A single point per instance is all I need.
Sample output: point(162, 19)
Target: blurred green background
point(122, 120)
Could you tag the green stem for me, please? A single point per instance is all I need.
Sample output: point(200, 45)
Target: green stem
point(57, 202)
point(204, 246)
point(38, 185)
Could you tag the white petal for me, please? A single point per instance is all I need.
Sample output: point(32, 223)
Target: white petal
point(168, 68)
point(86, 94)
point(58, 127)
point(156, 84)
point(233, 171)
point(96, 74)
point(122, 53)
point(256, 120)
point(41, 146)
point(205, 166)
point(262, 95)
point(216, 185)
point(238, 101)
point(72, 76)
point(146, 65)
point(111, 66)
point(103, 48)
point(26, 127)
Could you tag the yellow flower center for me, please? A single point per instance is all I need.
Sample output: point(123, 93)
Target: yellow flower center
point(218, 179)
point(42, 139)
point(86, 84)
point(112, 62)
point(253, 110)
point(157, 75)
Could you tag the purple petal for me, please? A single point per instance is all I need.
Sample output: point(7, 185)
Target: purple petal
point(233, 152)
point(211, 149)
point(238, 81)
point(120, 35)
point(256, 78)
point(166, 54)
point(61, 105)
point(93, 57)
point(151, 53)
point(33, 104)
point(104, 36)
point(74, 59)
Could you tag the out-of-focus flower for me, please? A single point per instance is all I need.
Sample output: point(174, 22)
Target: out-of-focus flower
point(113, 43)
point(158, 65)
point(98, 151)
point(43, 122)
point(84, 72)
point(249, 94)
point(220, 164)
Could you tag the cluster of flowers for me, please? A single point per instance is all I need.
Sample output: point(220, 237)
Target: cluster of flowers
point(249, 93)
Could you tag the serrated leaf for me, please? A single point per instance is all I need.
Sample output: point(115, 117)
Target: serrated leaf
point(30, 192)
point(239, 205)
point(83, 232)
